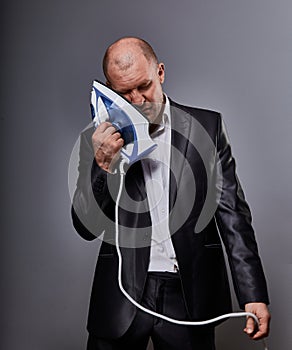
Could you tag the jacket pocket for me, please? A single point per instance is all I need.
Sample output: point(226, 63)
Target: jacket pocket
point(213, 246)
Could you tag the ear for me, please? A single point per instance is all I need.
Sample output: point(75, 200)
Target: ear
point(161, 72)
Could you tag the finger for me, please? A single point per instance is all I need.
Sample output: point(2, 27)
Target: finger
point(263, 330)
point(110, 148)
point(250, 326)
point(113, 141)
point(121, 142)
point(110, 130)
point(103, 126)
point(101, 134)
point(116, 136)
point(116, 145)
point(259, 335)
point(103, 130)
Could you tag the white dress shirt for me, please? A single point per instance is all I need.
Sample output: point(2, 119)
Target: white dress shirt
point(156, 174)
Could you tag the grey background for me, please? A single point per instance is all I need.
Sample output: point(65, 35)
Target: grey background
point(229, 55)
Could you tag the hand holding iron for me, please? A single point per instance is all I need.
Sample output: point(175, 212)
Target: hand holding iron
point(107, 143)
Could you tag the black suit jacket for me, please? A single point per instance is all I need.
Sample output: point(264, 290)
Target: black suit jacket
point(205, 197)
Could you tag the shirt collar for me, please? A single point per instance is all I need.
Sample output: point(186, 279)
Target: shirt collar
point(165, 120)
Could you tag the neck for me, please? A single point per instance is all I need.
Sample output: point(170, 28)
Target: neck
point(157, 121)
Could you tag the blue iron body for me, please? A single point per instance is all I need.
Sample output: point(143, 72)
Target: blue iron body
point(107, 105)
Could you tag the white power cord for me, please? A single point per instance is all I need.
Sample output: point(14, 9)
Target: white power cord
point(153, 313)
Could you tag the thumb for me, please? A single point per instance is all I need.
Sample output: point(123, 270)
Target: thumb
point(250, 326)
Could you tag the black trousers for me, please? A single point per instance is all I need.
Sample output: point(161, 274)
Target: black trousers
point(163, 294)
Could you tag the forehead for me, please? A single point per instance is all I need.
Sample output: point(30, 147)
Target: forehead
point(138, 72)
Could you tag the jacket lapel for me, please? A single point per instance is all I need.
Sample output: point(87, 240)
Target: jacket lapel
point(180, 132)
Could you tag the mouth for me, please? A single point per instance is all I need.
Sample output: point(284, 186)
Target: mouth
point(144, 110)
point(149, 110)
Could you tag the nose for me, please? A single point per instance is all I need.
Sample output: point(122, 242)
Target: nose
point(136, 97)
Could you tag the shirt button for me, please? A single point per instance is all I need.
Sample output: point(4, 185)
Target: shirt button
point(160, 248)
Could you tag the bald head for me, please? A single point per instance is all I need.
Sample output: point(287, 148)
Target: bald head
point(132, 70)
point(123, 53)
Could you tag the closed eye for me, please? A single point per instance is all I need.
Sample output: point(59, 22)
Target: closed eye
point(140, 88)
point(144, 87)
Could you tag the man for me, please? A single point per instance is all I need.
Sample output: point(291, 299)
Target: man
point(179, 270)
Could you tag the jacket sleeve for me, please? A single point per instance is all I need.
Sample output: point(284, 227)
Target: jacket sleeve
point(234, 221)
point(93, 207)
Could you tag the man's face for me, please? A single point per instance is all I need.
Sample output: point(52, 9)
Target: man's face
point(140, 84)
